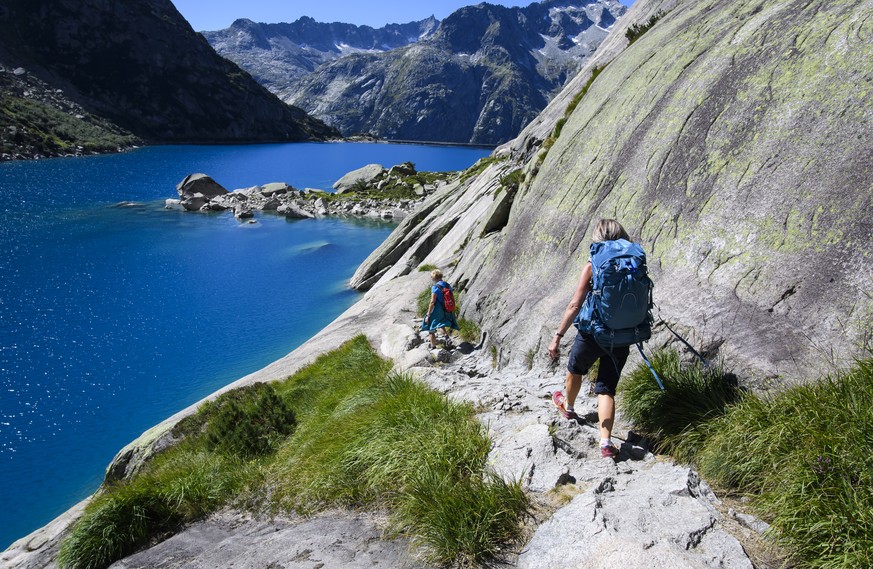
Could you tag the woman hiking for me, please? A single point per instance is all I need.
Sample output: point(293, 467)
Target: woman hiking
point(438, 314)
point(585, 351)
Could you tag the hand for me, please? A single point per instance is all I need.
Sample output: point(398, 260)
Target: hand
point(427, 319)
point(554, 348)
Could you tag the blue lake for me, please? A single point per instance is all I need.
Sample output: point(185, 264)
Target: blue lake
point(114, 318)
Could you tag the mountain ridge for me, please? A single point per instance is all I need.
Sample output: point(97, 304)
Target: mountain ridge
point(141, 66)
point(494, 67)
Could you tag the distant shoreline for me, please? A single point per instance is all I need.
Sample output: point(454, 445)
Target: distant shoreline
point(425, 143)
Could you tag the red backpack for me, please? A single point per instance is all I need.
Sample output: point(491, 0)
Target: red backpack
point(448, 297)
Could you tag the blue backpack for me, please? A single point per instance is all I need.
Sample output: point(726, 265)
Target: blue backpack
point(618, 309)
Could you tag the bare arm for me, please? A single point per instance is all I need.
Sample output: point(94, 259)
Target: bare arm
point(433, 299)
point(572, 310)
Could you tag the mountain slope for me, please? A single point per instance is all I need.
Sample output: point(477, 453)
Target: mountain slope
point(142, 66)
point(492, 68)
point(278, 55)
point(734, 141)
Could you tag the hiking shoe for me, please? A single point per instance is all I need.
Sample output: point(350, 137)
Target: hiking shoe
point(561, 403)
point(609, 452)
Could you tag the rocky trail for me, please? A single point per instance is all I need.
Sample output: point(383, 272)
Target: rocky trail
point(638, 511)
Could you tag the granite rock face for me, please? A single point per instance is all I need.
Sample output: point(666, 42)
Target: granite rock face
point(734, 142)
point(141, 65)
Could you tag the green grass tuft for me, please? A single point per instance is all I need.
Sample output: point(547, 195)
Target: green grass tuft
point(805, 456)
point(427, 268)
point(177, 487)
point(466, 520)
point(364, 437)
point(480, 166)
point(692, 394)
point(422, 303)
point(469, 331)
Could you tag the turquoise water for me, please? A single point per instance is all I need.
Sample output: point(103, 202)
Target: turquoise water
point(114, 318)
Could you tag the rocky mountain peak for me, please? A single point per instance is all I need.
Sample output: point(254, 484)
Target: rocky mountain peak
point(494, 66)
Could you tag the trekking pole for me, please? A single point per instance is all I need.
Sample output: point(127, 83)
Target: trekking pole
point(681, 339)
point(651, 369)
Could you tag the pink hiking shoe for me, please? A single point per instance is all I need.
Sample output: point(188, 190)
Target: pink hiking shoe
point(561, 403)
point(610, 451)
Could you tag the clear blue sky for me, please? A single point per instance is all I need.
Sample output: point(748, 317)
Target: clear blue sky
point(218, 14)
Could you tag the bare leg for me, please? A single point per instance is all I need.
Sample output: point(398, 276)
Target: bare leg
point(572, 385)
point(606, 414)
point(432, 340)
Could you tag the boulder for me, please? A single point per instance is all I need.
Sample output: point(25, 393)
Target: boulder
point(246, 193)
point(272, 204)
point(275, 188)
point(292, 211)
point(227, 201)
point(405, 169)
point(214, 206)
point(366, 174)
point(200, 184)
point(662, 519)
point(173, 204)
point(193, 202)
point(243, 212)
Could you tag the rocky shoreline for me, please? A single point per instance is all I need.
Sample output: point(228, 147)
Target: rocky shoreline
point(372, 191)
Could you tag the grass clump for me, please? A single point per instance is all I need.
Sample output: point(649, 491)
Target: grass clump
point(352, 434)
point(692, 395)
point(176, 488)
point(427, 268)
point(480, 166)
point(469, 330)
point(571, 106)
point(388, 440)
point(511, 181)
point(805, 455)
point(422, 302)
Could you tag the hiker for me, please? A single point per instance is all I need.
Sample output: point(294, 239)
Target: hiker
point(586, 351)
point(438, 314)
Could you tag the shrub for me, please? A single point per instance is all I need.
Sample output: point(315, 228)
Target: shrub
point(635, 31)
point(427, 268)
point(250, 421)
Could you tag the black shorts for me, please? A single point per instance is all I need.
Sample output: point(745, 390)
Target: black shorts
point(586, 351)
